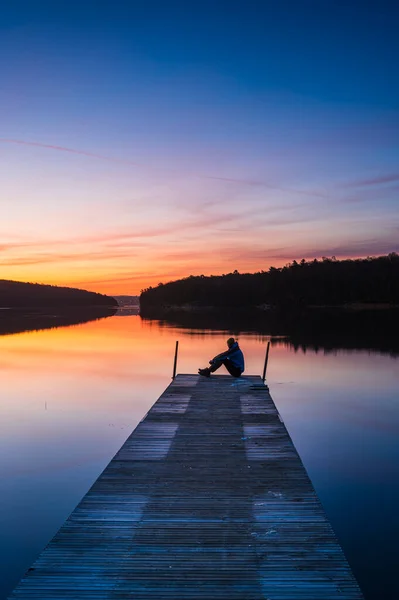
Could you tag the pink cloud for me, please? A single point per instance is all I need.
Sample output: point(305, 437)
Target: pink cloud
point(70, 150)
point(378, 180)
point(234, 180)
point(358, 249)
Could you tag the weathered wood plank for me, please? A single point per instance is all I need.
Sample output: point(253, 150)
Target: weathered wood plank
point(207, 499)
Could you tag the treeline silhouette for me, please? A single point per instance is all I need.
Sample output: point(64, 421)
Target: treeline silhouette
point(326, 282)
point(15, 294)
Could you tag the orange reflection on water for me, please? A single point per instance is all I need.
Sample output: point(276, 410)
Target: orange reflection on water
point(71, 396)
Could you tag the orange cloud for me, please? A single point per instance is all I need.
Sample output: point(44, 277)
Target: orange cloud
point(198, 229)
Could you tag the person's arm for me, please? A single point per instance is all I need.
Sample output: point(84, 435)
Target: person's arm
point(218, 357)
point(222, 355)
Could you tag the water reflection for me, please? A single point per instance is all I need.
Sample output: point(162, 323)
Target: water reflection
point(326, 329)
point(17, 320)
point(71, 396)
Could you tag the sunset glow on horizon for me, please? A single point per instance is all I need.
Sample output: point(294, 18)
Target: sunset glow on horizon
point(141, 144)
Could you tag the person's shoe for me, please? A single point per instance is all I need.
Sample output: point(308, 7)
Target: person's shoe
point(204, 372)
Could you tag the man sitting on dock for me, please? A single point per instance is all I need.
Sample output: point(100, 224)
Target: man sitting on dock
point(232, 359)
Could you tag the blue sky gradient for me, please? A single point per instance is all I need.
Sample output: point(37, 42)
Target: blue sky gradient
point(141, 142)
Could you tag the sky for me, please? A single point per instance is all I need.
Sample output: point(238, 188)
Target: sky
point(142, 142)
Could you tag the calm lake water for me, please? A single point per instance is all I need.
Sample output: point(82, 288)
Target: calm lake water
point(71, 396)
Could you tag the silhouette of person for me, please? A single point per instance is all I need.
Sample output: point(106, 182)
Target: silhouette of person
point(232, 359)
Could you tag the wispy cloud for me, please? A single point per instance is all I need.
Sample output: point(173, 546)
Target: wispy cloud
point(234, 180)
point(118, 160)
point(373, 181)
point(134, 278)
point(57, 257)
point(70, 150)
point(132, 238)
point(355, 249)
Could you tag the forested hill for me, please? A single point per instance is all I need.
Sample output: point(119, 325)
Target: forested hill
point(15, 294)
point(326, 282)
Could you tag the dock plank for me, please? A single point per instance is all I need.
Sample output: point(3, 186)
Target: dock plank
point(207, 499)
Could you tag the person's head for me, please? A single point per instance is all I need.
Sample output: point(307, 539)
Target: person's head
point(230, 342)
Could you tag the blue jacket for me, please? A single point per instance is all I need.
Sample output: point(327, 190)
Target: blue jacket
point(235, 355)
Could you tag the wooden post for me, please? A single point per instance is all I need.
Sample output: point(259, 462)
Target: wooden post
point(266, 360)
point(175, 362)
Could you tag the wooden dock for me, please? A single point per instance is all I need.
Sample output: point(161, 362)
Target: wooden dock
point(207, 499)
